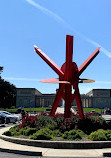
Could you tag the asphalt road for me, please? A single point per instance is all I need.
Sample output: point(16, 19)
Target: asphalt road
point(11, 155)
point(6, 125)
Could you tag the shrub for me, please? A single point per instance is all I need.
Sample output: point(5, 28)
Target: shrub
point(108, 134)
point(99, 135)
point(65, 135)
point(73, 135)
point(14, 131)
point(22, 131)
point(30, 121)
point(7, 133)
point(42, 134)
point(56, 133)
point(29, 131)
point(81, 133)
point(65, 124)
point(46, 121)
point(74, 121)
point(91, 123)
point(14, 128)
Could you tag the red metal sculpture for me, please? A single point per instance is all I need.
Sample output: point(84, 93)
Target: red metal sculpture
point(68, 77)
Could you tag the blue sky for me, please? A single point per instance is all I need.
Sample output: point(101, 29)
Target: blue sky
point(46, 23)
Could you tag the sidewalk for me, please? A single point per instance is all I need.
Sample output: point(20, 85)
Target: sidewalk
point(38, 151)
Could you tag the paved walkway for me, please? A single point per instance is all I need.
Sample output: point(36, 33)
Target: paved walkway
point(51, 152)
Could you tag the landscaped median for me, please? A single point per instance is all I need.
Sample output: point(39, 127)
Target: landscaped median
point(60, 133)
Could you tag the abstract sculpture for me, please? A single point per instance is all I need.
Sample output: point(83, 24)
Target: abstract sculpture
point(68, 77)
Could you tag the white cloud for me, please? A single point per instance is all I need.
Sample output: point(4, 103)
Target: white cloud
point(21, 79)
point(103, 82)
point(45, 10)
point(105, 51)
point(59, 19)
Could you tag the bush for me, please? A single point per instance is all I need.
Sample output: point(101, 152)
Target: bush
point(65, 135)
point(73, 135)
point(56, 133)
point(14, 128)
point(108, 134)
point(42, 134)
point(99, 135)
point(81, 133)
point(14, 131)
point(66, 124)
point(29, 131)
point(46, 121)
point(30, 121)
point(7, 133)
point(91, 123)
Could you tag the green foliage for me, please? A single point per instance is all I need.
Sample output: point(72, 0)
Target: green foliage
point(81, 133)
point(91, 123)
point(7, 94)
point(29, 131)
point(108, 134)
point(73, 135)
point(30, 121)
point(65, 135)
point(42, 134)
point(100, 135)
point(7, 133)
point(46, 121)
point(56, 133)
point(59, 121)
point(14, 131)
point(45, 128)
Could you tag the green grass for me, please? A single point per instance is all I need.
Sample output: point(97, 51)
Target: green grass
point(26, 109)
point(44, 109)
point(90, 109)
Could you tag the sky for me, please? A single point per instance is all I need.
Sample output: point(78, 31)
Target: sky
point(45, 23)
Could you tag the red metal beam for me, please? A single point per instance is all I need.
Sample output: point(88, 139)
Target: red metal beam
point(54, 66)
point(78, 101)
point(69, 56)
point(88, 61)
point(58, 97)
point(68, 97)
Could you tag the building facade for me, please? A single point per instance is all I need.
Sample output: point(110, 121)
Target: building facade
point(26, 97)
point(101, 98)
point(31, 97)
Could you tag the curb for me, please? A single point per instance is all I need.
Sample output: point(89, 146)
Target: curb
point(106, 154)
point(60, 144)
point(21, 152)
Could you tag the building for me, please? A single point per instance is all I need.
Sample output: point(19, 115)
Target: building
point(100, 98)
point(26, 97)
point(31, 97)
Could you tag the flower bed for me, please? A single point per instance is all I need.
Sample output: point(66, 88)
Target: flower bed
point(43, 127)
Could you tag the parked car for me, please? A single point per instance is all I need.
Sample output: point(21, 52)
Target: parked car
point(9, 118)
point(2, 119)
point(107, 112)
point(96, 113)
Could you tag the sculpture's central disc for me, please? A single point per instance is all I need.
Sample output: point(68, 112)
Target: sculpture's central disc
point(55, 80)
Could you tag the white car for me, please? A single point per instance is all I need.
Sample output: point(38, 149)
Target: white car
point(9, 118)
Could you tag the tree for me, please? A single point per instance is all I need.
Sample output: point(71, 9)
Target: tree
point(7, 93)
point(1, 69)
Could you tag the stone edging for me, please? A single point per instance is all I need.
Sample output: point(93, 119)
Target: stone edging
point(60, 144)
point(21, 152)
